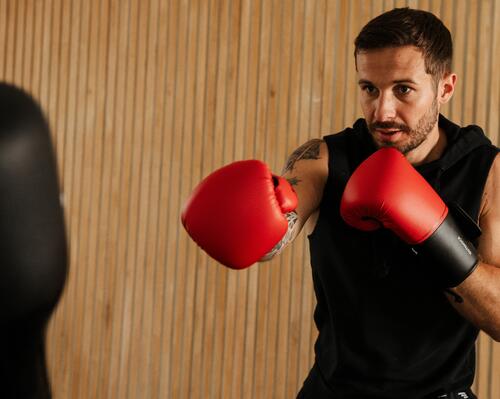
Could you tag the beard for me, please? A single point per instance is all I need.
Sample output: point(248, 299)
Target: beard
point(414, 136)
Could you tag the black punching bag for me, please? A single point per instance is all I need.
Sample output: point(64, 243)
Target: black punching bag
point(33, 253)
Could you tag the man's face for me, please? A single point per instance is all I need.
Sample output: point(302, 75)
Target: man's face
point(398, 98)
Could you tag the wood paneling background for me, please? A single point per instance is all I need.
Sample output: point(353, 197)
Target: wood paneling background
point(146, 97)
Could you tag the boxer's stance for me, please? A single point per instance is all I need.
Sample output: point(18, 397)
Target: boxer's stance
point(32, 245)
point(403, 276)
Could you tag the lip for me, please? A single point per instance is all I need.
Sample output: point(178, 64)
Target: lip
point(388, 131)
point(388, 134)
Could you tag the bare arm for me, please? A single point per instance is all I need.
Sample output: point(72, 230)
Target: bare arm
point(306, 170)
point(481, 290)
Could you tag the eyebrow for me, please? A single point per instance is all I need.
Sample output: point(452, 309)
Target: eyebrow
point(399, 81)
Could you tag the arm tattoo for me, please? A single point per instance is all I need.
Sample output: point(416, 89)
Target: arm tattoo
point(309, 150)
point(287, 238)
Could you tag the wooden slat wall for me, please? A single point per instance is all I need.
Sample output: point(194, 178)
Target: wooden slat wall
point(145, 98)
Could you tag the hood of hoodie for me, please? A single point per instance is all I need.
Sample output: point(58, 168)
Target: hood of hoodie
point(461, 141)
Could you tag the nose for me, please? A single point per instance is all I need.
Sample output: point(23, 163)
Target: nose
point(385, 107)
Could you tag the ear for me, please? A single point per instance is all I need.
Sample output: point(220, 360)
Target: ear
point(446, 87)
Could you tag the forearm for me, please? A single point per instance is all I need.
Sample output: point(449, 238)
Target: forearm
point(481, 299)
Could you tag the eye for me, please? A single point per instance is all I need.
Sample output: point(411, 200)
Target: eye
point(369, 89)
point(401, 89)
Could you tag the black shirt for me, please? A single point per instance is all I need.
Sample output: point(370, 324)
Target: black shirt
point(386, 329)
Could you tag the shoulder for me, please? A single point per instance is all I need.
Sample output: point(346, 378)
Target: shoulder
point(312, 150)
point(309, 161)
point(307, 171)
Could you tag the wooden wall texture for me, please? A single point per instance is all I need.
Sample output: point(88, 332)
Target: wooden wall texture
point(146, 97)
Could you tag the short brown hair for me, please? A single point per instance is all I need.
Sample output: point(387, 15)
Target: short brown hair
point(409, 27)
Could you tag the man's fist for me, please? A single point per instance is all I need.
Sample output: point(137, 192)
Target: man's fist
point(237, 214)
point(385, 190)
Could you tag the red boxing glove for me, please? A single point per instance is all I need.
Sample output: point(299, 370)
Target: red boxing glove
point(237, 214)
point(385, 190)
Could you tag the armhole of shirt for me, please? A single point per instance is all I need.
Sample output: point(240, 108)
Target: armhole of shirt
point(337, 173)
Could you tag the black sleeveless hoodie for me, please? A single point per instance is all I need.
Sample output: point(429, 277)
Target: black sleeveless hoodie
point(386, 329)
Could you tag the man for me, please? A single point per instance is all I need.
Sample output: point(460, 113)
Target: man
point(33, 260)
point(399, 307)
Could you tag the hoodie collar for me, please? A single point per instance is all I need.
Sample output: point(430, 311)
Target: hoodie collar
point(460, 142)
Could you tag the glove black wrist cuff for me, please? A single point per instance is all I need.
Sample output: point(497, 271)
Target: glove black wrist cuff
point(449, 248)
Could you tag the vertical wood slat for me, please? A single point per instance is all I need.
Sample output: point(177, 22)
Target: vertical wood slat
point(167, 220)
point(116, 127)
point(188, 125)
point(104, 292)
point(194, 369)
point(137, 187)
point(493, 125)
point(147, 97)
